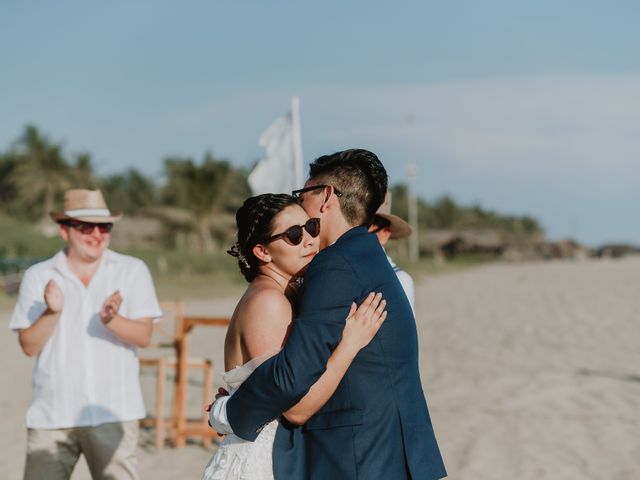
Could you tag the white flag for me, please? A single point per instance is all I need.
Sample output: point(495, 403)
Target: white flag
point(280, 170)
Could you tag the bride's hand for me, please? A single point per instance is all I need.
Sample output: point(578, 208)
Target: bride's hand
point(221, 393)
point(363, 322)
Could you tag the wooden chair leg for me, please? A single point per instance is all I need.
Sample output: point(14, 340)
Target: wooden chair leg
point(160, 387)
point(208, 398)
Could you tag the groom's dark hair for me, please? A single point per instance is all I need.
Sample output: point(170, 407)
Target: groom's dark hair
point(361, 178)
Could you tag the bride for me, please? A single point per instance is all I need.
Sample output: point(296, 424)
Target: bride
point(276, 242)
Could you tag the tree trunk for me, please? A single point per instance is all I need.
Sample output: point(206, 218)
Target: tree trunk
point(206, 240)
point(224, 188)
point(48, 200)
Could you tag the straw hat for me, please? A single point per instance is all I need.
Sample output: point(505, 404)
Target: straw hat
point(85, 206)
point(399, 228)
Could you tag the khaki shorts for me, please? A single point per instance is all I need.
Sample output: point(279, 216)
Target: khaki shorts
point(110, 451)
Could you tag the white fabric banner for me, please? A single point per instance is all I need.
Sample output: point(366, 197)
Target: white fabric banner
point(276, 172)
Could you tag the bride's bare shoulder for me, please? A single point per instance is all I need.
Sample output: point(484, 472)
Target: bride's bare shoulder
point(262, 320)
point(264, 303)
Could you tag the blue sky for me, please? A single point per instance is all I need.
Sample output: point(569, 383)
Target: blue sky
point(525, 107)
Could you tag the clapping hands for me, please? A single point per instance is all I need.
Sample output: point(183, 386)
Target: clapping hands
point(53, 297)
point(110, 307)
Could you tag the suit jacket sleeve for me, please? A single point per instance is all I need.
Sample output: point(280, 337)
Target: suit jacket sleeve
point(280, 382)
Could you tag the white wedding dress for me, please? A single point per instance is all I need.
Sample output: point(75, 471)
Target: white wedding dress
point(238, 459)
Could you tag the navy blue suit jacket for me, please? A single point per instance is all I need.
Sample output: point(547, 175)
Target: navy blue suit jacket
point(376, 425)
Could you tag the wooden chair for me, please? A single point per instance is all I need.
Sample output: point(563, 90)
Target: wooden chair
point(185, 428)
point(166, 363)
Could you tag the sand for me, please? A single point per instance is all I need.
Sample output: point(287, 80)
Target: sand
point(532, 371)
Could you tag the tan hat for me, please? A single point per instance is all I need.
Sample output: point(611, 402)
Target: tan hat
point(399, 228)
point(85, 206)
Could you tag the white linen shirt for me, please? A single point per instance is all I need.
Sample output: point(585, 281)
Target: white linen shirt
point(407, 283)
point(85, 375)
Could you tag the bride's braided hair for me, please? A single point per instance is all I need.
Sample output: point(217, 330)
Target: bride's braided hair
point(255, 225)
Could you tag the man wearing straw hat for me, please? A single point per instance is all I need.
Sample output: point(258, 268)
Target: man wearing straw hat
point(82, 314)
point(387, 227)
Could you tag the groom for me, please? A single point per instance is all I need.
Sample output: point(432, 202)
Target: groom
point(377, 424)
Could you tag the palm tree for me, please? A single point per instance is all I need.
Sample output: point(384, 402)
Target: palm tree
point(82, 172)
point(446, 212)
point(7, 188)
point(130, 191)
point(196, 194)
point(41, 172)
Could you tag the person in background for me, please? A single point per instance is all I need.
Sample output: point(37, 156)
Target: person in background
point(391, 227)
point(82, 314)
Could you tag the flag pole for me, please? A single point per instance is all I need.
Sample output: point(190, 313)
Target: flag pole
point(414, 252)
point(411, 171)
point(297, 140)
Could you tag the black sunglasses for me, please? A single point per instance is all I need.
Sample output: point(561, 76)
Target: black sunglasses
point(293, 235)
point(86, 228)
point(298, 193)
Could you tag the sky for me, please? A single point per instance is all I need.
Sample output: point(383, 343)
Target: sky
point(524, 107)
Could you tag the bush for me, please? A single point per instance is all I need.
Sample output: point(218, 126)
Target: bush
point(22, 239)
point(164, 261)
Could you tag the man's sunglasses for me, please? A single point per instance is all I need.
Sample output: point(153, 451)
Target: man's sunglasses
point(87, 228)
point(298, 193)
point(293, 235)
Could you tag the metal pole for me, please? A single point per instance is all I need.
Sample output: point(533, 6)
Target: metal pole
point(297, 140)
point(411, 171)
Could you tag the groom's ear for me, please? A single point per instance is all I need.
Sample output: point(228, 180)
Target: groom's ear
point(330, 201)
point(261, 253)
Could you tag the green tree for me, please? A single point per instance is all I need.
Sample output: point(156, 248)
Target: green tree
point(8, 191)
point(446, 212)
point(130, 192)
point(41, 172)
point(399, 200)
point(196, 194)
point(82, 172)
point(530, 225)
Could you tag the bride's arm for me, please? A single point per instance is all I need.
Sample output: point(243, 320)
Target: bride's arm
point(360, 327)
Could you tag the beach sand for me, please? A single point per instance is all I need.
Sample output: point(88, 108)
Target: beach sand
point(532, 371)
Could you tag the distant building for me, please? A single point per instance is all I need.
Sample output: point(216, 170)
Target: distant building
point(616, 250)
point(567, 248)
point(447, 244)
